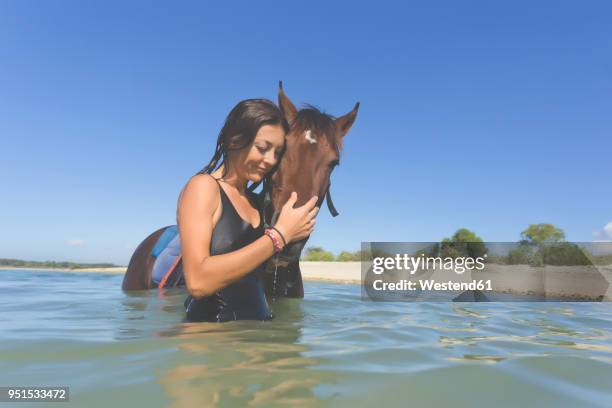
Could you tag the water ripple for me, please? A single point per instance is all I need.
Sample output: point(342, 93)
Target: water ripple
point(330, 348)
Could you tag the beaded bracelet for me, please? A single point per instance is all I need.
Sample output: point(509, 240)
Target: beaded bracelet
point(281, 235)
point(278, 246)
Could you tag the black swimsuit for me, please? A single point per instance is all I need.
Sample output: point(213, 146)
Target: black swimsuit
point(245, 298)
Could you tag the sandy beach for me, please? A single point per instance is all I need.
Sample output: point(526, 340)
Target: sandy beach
point(341, 272)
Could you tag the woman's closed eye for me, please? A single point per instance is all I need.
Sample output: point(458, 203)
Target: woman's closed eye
point(261, 149)
point(264, 150)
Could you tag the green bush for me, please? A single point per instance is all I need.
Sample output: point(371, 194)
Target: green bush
point(318, 254)
point(563, 253)
point(521, 255)
point(346, 256)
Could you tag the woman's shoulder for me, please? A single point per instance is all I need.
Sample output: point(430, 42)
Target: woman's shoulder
point(201, 189)
point(203, 180)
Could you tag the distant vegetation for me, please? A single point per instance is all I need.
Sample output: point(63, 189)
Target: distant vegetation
point(463, 243)
point(540, 244)
point(18, 263)
point(544, 244)
point(319, 254)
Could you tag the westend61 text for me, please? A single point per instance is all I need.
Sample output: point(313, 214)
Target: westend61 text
point(431, 284)
point(413, 263)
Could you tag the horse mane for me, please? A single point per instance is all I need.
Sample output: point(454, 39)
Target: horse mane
point(320, 123)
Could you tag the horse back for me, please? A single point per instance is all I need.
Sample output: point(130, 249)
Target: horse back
point(138, 274)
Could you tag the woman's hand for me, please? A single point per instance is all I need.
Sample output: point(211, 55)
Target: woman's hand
point(297, 223)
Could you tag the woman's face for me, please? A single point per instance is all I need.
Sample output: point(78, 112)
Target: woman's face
point(264, 152)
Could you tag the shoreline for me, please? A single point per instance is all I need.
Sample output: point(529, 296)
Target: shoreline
point(114, 270)
point(339, 272)
point(557, 279)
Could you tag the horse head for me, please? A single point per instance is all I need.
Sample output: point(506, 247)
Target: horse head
point(313, 148)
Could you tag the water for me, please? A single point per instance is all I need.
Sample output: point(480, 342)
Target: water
point(329, 349)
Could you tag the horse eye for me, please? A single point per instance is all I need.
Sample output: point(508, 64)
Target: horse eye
point(334, 164)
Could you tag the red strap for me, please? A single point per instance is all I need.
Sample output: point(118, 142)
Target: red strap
point(162, 283)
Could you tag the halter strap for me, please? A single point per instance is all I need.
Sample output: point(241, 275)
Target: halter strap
point(330, 204)
point(328, 201)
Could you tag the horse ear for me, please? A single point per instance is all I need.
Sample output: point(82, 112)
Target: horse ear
point(344, 123)
point(286, 106)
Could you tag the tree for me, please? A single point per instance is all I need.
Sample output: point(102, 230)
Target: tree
point(544, 244)
point(464, 235)
point(463, 243)
point(542, 233)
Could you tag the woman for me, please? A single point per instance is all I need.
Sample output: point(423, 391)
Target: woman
point(221, 230)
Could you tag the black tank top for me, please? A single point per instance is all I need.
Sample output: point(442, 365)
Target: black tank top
point(245, 298)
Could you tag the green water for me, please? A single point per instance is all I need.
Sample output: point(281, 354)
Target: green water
point(330, 349)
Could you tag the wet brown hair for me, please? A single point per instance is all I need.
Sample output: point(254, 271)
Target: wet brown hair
point(241, 127)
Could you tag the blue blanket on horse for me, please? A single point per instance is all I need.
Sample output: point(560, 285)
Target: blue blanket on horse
point(167, 268)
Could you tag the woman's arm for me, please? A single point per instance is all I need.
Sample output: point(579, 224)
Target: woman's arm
point(206, 274)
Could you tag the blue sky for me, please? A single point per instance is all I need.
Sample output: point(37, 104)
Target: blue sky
point(479, 114)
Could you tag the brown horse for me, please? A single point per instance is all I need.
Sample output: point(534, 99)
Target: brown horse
point(314, 144)
point(313, 147)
